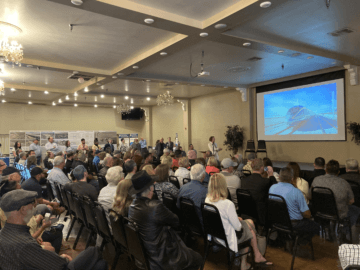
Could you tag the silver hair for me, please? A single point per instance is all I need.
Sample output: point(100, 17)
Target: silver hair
point(352, 164)
point(251, 156)
point(197, 172)
point(22, 154)
point(58, 160)
point(81, 156)
point(146, 192)
point(106, 160)
point(114, 175)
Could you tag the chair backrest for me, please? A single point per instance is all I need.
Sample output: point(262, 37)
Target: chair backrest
point(261, 145)
point(246, 173)
point(64, 197)
point(80, 213)
point(50, 192)
point(58, 194)
point(355, 187)
point(170, 202)
point(88, 206)
point(212, 222)
point(71, 202)
point(135, 243)
point(118, 229)
point(324, 204)
point(250, 145)
point(102, 182)
point(102, 222)
point(175, 181)
point(190, 218)
point(352, 267)
point(186, 180)
point(278, 214)
point(246, 204)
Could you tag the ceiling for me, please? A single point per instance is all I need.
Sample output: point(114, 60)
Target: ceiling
point(109, 37)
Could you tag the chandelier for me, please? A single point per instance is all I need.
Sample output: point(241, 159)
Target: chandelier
point(11, 51)
point(123, 108)
point(165, 99)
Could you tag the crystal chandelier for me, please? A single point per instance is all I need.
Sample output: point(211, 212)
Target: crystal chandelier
point(123, 108)
point(11, 51)
point(165, 99)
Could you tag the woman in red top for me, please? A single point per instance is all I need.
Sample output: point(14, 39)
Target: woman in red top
point(211, 165)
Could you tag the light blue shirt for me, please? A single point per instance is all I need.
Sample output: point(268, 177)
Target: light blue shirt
point(294, 199)
point(143, 143)
point(57, 176)
point(52, 147)
point(36, 148)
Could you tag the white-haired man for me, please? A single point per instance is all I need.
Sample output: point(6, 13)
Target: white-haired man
point(352, 171)
point(232, 180)
point(57, 175)
point(195, 190)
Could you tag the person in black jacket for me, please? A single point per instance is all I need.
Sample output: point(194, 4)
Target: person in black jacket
point(159, 148)
point(68, 165)
point(170, 145)
point(319, 166)
point(110, 146)
point(164, 248)
point(47, 164)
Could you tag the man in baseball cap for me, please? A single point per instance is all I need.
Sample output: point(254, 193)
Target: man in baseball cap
point(233, 181)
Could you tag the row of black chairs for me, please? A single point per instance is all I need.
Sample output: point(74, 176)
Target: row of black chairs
point(250, 147)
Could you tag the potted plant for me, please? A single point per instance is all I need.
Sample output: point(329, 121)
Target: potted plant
point(354, 129)
point(234, 136)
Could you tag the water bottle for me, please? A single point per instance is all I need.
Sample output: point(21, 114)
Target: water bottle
point(47, 218)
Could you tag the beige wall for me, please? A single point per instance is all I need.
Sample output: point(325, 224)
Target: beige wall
point(36, 117)
point(211, 114)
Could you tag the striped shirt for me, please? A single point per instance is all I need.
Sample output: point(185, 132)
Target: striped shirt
point(19, 251)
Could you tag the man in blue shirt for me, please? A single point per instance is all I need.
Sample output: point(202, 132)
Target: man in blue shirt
point(143, 145)
point(195, 190)
point(298, 209)
point(37, 149)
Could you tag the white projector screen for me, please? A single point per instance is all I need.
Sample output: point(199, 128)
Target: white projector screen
point(309, 112)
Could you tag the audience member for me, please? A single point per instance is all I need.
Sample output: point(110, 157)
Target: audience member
point(298, 209)
point(17, 146)
point(148, 158)
point(102, 156)
point(31, 162)
point(17, 157)
point(108, 162)
point(57, 175)
point(352, 171)
point(319, 166)
point(51, 146)
point(235, 171)
point(81, 186)
point(175, 160)
point(259, 187)
point(194, 190)
point(183, 153)
point(122, 199)
point(164, 248)
point(343, 193)
point(37, 149)
point(123, 147)
point(149, 169)
point(165, 155)
point(109, 146)
point(162, 183)
point(19, 250)
point(68, 164)
point(191, 147)
point(192, 157)
point(137, 158)
point(298, 181)
point(182, 172)
point(136, 145)
point(217, 196)
point(3, 166)
point(118, 162)
point(206, 156)
point(130, 168)
point(168, 161)
point(233, 182)
point(212, 166)
point(47, 160)
point(160, 146)
point(22, 158)
point(251, 157)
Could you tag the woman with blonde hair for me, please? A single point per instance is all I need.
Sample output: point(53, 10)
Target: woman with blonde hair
point(149, 169)
point(182, 172)
point(217, 196)
point(163, 184)
point(122, 199)
point(167, 160)
point(211, 165)
point(299, 182)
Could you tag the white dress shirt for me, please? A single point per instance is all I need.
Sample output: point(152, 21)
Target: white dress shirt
point(52, 147)
point(214, 150)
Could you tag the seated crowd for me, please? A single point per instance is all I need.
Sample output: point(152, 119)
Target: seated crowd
point(137, 179)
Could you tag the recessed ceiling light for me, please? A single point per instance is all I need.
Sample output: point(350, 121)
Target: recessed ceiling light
point(247, 44)
point(114, 77)
point(220, 26)
point(98, 83)
point(310, 57)
point(29, 66)
point(102, 96)
point(149, 21)
point(114, 100)
point(54, 104)
point(132, 101)
point(30, 102)
point(75, 94)
point(281, 51)
point(114, 106)
point(60, 100)
point(75, 105)
point(86, 89)
point(148, 99)
point(67, 97)
point(148, 80)
point(135, 67)
point(131, 107)
point(75, 72)
point(46, 92)
point(29, 94)
point(77, 2)
point(204, 34)
point(265, 4)
point(126, 97)
point(95, 106)
point(163, 53)
point(12, 89)
point(3, 101)
point(120, 74)
point(95, 98)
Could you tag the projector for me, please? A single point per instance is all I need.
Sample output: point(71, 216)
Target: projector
point(203, 73)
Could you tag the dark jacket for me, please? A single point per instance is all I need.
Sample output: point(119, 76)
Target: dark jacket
point(259, 189)
point(136, 146)
point(159, 148)
point(108, 145)
point(351, 176)
point(48, 165)
point(312, 174)
point(170, 146)
point(68, 166)
point(164, 248)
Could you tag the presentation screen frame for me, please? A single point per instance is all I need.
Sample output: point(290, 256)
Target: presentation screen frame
point(294, 84)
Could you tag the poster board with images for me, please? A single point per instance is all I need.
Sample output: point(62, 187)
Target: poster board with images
point(104, 136)
point(126, 137)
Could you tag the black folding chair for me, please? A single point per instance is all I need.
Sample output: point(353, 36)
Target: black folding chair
point(170, 202)
point(175, 181)
point(135, 243)
point(59, 195)
point(355, 187)
point(87, 206)
point(352, 267)
point(278, 219)
point(186, 180)
point(81, 218)
point(250, 147)
point(50, 192)
point(324, 207)
point(72, 211)
point(119, 236)
point(261, 147)
point(103, 225)
point(64, 199)
point(214, 227)
point(246, 173)
point(247, 205)
point(102, 182)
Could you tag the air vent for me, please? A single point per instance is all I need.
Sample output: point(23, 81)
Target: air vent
point(239, 69)
point(341, 32)
point(254, 59)
point(78, 75)
point(296, 54)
